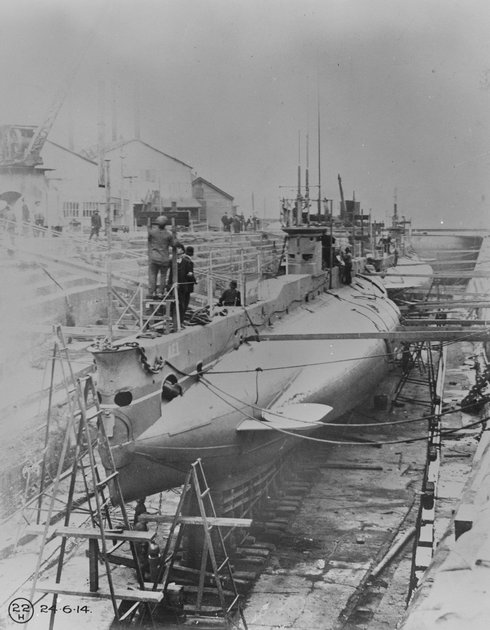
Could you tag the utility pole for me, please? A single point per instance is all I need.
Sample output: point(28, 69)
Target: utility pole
point(176, 313)
point(331, 245)
point(362, 232)
point(307, 180)
point(298, 196)
point(354, 222)
point(108, 222)
point(319, 206)
point(132, 218)
point(101, 132)
point(123, 212)
point(137, 117)
point(394, 222)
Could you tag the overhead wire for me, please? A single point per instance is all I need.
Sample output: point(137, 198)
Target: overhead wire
point(257, 408)
point(209, 386)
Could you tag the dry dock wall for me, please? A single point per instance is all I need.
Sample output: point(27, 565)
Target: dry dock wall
point(455, 592)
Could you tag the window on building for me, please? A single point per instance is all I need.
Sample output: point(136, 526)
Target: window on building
point(88, 208)
point(70, 208)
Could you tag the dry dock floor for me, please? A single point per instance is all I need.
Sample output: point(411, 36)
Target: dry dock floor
point(362, 498)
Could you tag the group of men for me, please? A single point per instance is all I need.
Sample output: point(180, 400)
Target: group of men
point(237, 223)
point(331, 256)
point(160, 273)
point(9, 216)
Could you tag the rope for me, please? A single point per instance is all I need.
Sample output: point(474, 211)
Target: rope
point(336, 424)
point(345, 442)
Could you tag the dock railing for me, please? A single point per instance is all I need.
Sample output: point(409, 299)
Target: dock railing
point(219, 258)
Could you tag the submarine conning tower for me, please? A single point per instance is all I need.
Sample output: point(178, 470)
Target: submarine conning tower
point(304, 249)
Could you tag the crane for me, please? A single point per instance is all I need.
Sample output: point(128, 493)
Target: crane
point(21, 145)
point(343, 208)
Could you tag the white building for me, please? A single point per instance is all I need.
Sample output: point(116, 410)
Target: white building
point(214, 202)
point(142, 174)
point(138, 173)
point(73, 191)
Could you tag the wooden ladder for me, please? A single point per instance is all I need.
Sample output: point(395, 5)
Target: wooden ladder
point(196, 486)
point(162, 315)
point(103, 539)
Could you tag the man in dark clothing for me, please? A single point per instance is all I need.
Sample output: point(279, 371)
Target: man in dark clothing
point(185, 280)
point(191, 280)
point(231, 296)
point(96, 224)
point(225, 220)
point(237, 226)
point(347, 257)
point(159, 242)
point(328, 243)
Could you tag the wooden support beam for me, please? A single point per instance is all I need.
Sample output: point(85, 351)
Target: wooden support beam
point(453, 261)
point(127, 304)
point(83, 332)
point(196, 520)
point(451, 303)
point(112, 534)
point(422, 321)
point(119, 593)
point(442, 274)
point(93, 562)
point(401, 334)
point(459, 251)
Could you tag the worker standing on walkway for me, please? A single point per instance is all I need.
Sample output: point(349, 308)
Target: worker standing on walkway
point(96, 224)
point(191, 278)
point(185, 280)
point(160, 240)
point(347, 258)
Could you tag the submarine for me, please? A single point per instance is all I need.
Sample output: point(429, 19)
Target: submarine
point(222, 394)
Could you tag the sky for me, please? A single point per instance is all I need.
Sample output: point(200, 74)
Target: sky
point(234, 88)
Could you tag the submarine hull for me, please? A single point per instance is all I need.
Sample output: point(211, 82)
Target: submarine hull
point(235, 412)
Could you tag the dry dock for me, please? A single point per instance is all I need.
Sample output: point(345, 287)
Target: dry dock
point(340, 554)
point(328, 570)
point(330, 565)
